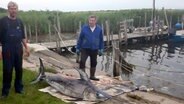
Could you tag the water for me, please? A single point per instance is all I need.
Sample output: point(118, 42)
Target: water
point(160, 66)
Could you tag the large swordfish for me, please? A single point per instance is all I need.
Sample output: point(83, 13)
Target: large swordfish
point(78, 88)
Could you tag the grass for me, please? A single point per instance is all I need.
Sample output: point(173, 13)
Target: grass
point(31, 94)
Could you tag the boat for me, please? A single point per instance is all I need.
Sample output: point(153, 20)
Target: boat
point(176, 34)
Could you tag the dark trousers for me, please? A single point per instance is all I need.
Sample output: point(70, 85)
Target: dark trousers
point(93, 58)
point(12, 58)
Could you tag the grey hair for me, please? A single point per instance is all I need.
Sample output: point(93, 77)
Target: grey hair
point(92, 16)
point(11, 3)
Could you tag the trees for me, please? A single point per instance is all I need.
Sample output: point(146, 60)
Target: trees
point(69, 21)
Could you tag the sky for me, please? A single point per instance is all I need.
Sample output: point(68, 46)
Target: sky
point(92, 5)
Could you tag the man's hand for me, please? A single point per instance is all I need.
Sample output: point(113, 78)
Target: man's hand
point(77, 51)
point(27, 52)
point(100, 52)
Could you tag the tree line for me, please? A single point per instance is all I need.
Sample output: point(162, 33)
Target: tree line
point(40, 21)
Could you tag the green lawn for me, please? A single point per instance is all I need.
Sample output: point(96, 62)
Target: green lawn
point(31, 94)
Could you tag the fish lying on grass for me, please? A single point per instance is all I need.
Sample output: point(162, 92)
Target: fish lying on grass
point(77, 88)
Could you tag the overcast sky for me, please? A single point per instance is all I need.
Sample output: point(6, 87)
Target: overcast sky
point(91, 5)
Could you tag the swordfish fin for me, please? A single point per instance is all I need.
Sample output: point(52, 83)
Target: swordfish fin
point(41, 74)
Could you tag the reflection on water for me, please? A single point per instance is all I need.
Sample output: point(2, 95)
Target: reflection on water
point(160, 66)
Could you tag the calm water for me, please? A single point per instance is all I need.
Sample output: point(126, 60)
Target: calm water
point(160, 66)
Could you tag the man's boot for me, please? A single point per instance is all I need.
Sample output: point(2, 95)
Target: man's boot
point(92, 74)
point(83, 71)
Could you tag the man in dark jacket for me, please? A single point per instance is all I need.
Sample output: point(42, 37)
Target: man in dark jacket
point(90, 43)
point(12, 37)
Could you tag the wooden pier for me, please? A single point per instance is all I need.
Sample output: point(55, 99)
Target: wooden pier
point(130, 38)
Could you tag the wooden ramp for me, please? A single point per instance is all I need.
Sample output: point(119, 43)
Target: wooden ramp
point(50, 58)
point(53, 60)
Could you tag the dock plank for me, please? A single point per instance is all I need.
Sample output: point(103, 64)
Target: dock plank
point(71, 43)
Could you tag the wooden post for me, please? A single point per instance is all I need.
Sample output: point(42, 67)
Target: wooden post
point(109, 40)
point(25, 31)
point(140, 22)
point(145, 17)
point(49, 29)
point(182, 20)
point(178, 20)
point(116, 60)
point(158, 25)
point(119, 37)
point(78, 33)
point(121, 30)
point(59, 29)
point(30, 35)
point(153, 19)
point(166, 17)
point(111, 37)
point(107, 33)
point(102, 25)
point(36, 32)
point(56, 42)
point(58, 23)
point(170, 26)
point(125, 33)
point(116, 57)
point(80, 26)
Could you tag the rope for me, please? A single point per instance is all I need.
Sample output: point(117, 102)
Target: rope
point(59, 35)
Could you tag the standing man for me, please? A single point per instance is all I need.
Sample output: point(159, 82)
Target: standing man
point(90, 43)
point(12, 37)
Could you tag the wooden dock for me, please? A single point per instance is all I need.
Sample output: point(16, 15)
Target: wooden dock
point(72, 43)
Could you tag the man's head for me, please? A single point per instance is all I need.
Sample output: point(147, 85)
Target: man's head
point(12, 9)
point(92, 20)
